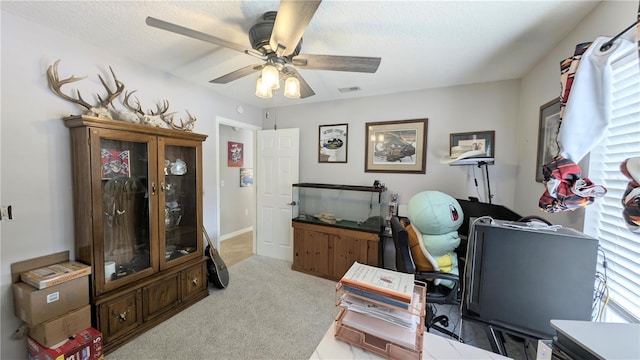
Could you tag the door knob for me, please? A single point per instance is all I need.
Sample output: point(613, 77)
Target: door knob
point(292, 203)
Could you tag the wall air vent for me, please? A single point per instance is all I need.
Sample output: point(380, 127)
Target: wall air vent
point(349, 89)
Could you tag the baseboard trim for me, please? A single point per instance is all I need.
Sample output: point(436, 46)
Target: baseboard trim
point(236, 233)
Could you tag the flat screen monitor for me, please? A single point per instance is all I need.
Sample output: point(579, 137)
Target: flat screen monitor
point(519, 279)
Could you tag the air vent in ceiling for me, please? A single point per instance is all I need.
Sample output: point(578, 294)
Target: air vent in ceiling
point(349, 89)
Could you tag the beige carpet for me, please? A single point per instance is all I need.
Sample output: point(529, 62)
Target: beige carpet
point(267, 312)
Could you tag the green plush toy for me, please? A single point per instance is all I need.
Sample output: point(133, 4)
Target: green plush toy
point(436, 217)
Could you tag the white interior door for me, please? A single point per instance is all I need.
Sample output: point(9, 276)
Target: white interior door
point(278, 166)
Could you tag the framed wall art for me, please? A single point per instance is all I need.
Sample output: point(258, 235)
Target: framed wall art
point(333, 143)
point(115, 163)
point(547, 134)
point(396, 146)
point(481, 142)
point(246, 177)
point(235, 154)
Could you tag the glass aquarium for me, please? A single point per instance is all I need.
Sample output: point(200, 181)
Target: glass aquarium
point(353, 207)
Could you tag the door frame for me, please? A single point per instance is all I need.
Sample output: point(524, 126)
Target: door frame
point(240, 125)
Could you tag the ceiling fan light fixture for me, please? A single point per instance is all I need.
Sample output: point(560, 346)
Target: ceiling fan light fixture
point(292, 87)
point(271, 76)
point(262, 90)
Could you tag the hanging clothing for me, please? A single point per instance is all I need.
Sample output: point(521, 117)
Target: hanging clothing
point(585, 110)
point(631, 196)
point(588, 108)
point(566, 188)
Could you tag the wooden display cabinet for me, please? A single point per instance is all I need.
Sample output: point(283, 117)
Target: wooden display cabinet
point(138, 222)
point(335, 225)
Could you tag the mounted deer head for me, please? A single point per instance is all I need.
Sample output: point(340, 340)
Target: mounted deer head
point(102, 109)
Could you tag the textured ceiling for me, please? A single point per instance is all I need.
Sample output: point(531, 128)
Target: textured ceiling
point(423, 44)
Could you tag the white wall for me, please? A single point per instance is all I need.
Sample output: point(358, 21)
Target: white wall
point(35, 147)
point(542, 84)
point(478, 107)
point(36, 174)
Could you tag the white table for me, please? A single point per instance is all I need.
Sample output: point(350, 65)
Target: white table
point(435, 347)
point(601, 340)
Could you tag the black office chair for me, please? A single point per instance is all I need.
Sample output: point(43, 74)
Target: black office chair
point(436, 294)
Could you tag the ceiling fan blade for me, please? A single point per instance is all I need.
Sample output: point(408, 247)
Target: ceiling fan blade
point(291, 21)
point(305, 89)
point(161, 24)
point(235, 75)
point(337, 63)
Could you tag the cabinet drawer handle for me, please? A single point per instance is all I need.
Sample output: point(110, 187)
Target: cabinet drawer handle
point(194, 282)
point(122, 317)
point(162, 187)
point(153, 188)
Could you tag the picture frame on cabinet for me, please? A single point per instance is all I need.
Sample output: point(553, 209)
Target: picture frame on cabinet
point(396, 146)
point(547, 135)
point(333, 143)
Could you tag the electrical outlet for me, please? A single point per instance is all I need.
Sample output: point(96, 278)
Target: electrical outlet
point(221, 183)
point(246, 211)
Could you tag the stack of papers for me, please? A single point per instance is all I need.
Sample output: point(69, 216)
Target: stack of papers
point(397, 317)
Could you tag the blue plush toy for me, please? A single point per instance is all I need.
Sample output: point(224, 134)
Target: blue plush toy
point(435, 218)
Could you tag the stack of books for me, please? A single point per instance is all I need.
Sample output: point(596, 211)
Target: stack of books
point(381, 311)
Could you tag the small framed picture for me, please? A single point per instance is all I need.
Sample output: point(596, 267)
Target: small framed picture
point(115, 163)
point(396, 146)
point(333, 143)
point(246, 177)
point(481, 144)
point(235, 154)
point(547, 134)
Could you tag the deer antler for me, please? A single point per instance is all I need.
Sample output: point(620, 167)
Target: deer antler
point(160, 110)
point(55, 84)
point(138, 108)
point(188, 126)
point(159, 117)
point(112, 95)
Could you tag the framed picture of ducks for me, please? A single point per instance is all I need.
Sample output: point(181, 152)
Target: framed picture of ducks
point(396, 146)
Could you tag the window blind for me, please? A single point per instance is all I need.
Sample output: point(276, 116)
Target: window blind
point(603, 219)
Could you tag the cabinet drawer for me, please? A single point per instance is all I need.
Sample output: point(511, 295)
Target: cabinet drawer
point(161, 295)
point(120, 315)
point(194, 280)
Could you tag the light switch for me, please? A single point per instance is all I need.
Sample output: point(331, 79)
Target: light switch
point(221, 183)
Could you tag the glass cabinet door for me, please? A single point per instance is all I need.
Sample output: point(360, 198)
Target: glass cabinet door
point(180, 230)
point(126, 192)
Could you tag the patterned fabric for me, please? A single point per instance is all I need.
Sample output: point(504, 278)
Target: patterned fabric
point(631, 196)
point(566, 189)
point(568, 69)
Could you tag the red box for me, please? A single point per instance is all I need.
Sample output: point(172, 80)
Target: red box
point(85, 345)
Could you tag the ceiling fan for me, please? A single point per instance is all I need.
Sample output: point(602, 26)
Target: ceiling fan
point(276, 39)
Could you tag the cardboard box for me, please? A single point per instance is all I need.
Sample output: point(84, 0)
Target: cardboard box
point(55, 274)
point(35, 306)
point(62, 327)
point(85, 345)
